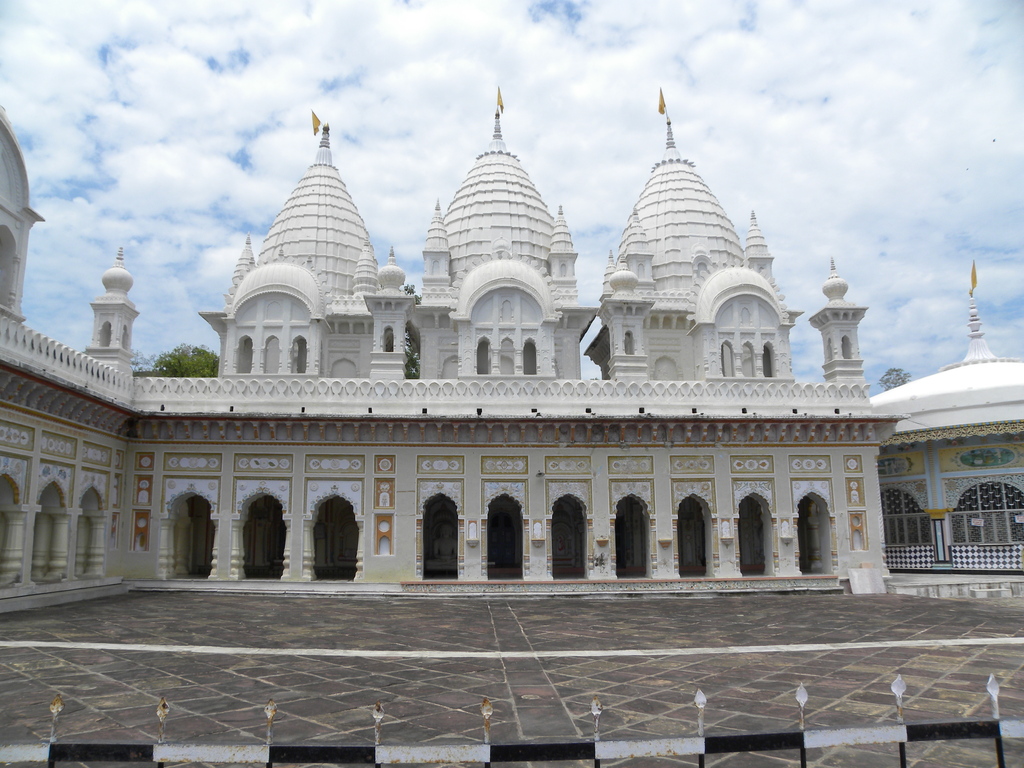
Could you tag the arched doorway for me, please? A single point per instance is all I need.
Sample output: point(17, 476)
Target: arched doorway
point(504, 539)
point(568, 539)
point(335, 540)
point(632, 532)
point(50, 537)
point(813, 536)
point(192, 538)
point(263, 539)
point(752, 537)
point(692, 538)
point(440, 539)
point(89, 536)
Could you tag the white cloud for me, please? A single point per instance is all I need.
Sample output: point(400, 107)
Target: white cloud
point(857, 130)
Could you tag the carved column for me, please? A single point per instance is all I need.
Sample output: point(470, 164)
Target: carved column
point(43, 532)
point(11, 556)
point(814, 541)
point(216, 547)
point(286, 564)
point(307, 550)
point(235, 571)
point(94, 565)
point(57, 567)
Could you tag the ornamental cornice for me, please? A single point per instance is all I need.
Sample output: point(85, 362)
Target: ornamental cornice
point(952, 433)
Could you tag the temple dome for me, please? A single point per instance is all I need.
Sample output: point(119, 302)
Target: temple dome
point(320, 221)
point(497, 201)
point(681, 216)
point(281, 277)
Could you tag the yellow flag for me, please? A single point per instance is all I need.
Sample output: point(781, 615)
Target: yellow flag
point(974, 278)
point(316, 123)
point(501, 104)
point(661, 102)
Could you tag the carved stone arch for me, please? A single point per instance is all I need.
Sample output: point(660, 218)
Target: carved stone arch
point(247, 490)
point(16, 471)
point(317, 492)
point(642, 489)
point(762, 489)
point(88, 481)
point(956, 487)
point(515, 490)
point(60, 476)
point(428, 489)
point(177, 489)
point(821, 488)
point(702, 490)
point(916, 489)
point(60, 494)
point(15, 490)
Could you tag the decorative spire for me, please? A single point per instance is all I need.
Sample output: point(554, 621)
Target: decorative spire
point(246, 262)
point(671, 153)
point(118, 279)
point(323, 154)
point(366, 271)
point(497, 143)
point(835, 287)
point(561, 240)
point(635, 240)
point(754, 236)
point(437, 234)
point(977, 349)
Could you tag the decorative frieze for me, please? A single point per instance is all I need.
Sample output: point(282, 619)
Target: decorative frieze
point(513, 488)
point(58, 474)
point(426, 489)
point(743, 488)
point(58, 445)
point(742, 465)
point(16, 469)
point(822, 488)
point(567, 465)
point(642, 489)
point(95, 454)
point(692, 465)
point(384, 465)
point(177, 487)
point(195, 462)
point(810, 464)
point(630, 465)
point(985, 458)
point(264, 463)
point(899, 464)
point(451, 464)
point(504, 465)
point(318, 491)
point(578, 489)
point(702, 489)
point(248, 489)
point(98, 481)
point(16, 436)
point(336, 464)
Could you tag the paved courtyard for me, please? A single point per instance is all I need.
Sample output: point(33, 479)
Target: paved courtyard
point(430, 661)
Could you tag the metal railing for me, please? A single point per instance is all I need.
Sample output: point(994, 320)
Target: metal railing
point(595, 749)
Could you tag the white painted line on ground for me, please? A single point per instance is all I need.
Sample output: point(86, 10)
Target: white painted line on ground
point(227, 650)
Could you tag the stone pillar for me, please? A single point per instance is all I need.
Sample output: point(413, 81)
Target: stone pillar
point(181, 545)
point(814, 541)
point(11, 556)
point(216, 547)
point(360, 553)
point(96, 550)
point(43, 533)
point(237, 560)
point(57, 567)
point(166, 556)
point(307, 550)
point(286, 565)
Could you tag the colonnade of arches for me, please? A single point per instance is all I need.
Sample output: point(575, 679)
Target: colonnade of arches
point(746, 363)
point(333, 551)
point(270, 360)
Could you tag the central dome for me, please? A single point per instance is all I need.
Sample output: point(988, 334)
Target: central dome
point(497, 201)
point(320, 222)
point(682, 218)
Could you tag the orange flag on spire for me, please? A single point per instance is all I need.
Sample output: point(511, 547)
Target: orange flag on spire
point(316, 123)
point(974, 278)
point(661, 102)
point(501, 104)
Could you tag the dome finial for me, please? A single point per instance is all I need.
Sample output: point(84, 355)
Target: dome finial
point(497, 143)
point(671, 153)
point(323, 154)
point(118, 279)
point(391, 276)
point(835, 287)
point(977, 348)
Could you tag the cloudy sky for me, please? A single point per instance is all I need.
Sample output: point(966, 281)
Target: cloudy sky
point(887, 135)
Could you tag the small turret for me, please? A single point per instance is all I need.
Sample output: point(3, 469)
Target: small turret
point(436, 259)
point(366, 280)
point(113, 317)
point(838, 322)
point(756, 253)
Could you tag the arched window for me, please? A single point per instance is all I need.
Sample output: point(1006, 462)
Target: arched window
point(507, 357)
point(847, 348)
point(530, 359)
point(299, 355)
point(125, 338)
point(748, 360)
point(563, 270)
point(272, 355)
point(105, 335)
point(243, 359)
point(830, 353)
point(988, 513)
point(389, 339)
point(628, 346)
point(766, 362)
point(483, 357)
point(728, 360)
point(904, 520)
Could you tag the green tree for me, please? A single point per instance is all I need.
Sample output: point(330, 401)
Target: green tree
point(184, 361)
point(412, 344)
point(894, 377)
